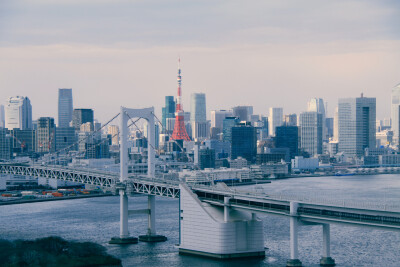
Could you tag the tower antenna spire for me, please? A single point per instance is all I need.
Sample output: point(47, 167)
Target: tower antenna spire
point(179, 132)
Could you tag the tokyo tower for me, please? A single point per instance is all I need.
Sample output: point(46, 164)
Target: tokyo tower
point(179, 132)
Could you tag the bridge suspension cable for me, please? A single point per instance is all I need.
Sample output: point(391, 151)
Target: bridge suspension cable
point(78, 142)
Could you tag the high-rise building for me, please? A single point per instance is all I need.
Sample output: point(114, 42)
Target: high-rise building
point(336, 125)
point(65, 107)
point(23, 141)
point(198, 107)
point(168, 111)
point(395, 110)
point(228, 123)
point(218, 116)
point(18, 113)
point(290, 120)
point(46, 135)
point(288, 137)
point(329, 127)
point(311, 132)
point(2, 117)
point(243, 112)
point(65, 138)
point(198, 118)
point(244, 142)
point(113, 130)
point(206, 158)
point(81, 116)
point(357, 120)
point(317, 105)
point(5, 144)
point(275, 119)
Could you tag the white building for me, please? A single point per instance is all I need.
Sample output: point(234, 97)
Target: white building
point(275, 119)
point(305, 164)
point(18, 113)
point(218, 116)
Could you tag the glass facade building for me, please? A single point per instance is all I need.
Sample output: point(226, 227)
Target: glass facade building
point(65, 107)
point(18, 113)
point(357, 120)
point(311, 130)
point(244, 142)
point(288, 136)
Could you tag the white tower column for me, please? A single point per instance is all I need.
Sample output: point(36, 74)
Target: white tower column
point(226, 209)
point(293, 261)
point(123, 174)
point(326, 259)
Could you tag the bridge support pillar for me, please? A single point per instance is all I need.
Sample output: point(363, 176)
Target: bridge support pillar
point(151, 235)
point(293, 261)
point(326, 259)
point(124, 237)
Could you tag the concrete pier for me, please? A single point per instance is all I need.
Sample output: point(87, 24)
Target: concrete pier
point(293, 261)
point(326, 259)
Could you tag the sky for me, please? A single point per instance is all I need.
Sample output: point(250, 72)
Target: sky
point(263, 53)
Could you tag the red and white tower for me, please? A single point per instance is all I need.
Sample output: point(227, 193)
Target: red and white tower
point(179, 132)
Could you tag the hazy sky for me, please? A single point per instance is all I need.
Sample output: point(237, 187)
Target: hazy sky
point(261, 53)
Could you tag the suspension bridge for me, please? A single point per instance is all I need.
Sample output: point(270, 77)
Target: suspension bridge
point(215, 221)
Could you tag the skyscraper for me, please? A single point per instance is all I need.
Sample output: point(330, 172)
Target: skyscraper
point(228, 123)
point(198, 118)
point(395, 108)
point(275, 119)
point(243, 112)
point(357, 120)
point(168, 111)
point(65, 107)
point(81, 116)
point(288, 136)
point(317, 105)
point(290, 120)
point(18, 113)
point(244, 142)
point(218, 116)
point(46, 135)
point(2, 117)
point(311, 132)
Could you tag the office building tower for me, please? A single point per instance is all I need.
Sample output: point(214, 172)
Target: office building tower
point(46, 135)
point(198, 119)
point(228, 123)
point(5, 144)
point(198, 107)
point(329, 127)
point(357, 119)
point(288, 137)
point(336, 125)
point(206, 158)
point(179, 132)
point(395, 110)
point(168, 111)
point(18, 113)
point(311, 132)
point(317, 105)
point(244, 142)
point(2, 117)
point(65, 107)
point(81, 116)
point(23, 141)
point(218, 116)
point(65, 139)
point(290, 120)
point(243, 112)
point(113, 130)
point(275, 119)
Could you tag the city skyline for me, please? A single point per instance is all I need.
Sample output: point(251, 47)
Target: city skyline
point(125, 53)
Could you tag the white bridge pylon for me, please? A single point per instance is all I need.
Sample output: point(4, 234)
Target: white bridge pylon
point(148, 115)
